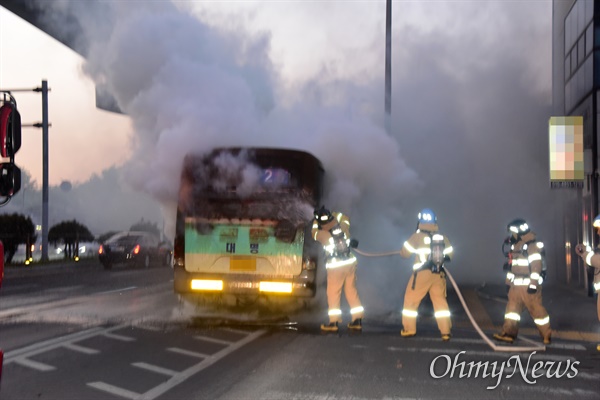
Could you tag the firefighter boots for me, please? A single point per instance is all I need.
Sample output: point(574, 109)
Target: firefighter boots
point(330, 327)
point(503, 337)
point(356, 324)
point(548, 339)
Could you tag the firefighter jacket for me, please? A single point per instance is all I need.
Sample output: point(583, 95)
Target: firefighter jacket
point(592, 258)
point(335, 238)
point(526, 262)
point(419, 244)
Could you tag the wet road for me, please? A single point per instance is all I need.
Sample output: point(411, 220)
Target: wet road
point(123, 334)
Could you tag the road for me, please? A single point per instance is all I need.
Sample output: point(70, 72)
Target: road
point(85, 333)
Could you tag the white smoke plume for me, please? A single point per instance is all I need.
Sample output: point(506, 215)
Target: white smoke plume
point(471, 101)
point(190, 87)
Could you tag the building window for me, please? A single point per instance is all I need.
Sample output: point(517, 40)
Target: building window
point(589, 39)
point(581, 50)
point(588, 70)
point(567, 67)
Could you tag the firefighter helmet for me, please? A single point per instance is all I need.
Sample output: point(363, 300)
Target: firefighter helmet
point(596, 223)
point(323, 215)
point(427, 216)
point(518, 227)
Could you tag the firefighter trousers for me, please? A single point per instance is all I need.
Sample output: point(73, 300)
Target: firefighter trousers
point(338, 279)
point(435, 285)
point(518, 298)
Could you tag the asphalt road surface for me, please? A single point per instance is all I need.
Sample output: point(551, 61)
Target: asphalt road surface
point(85, 333)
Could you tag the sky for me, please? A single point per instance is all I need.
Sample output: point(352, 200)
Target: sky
point(471, 98)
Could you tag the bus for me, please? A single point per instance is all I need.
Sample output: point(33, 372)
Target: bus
point(242, 232)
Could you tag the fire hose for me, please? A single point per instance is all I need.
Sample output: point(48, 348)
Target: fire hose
point(534, 346)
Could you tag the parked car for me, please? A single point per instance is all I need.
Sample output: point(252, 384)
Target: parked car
point(138, 248)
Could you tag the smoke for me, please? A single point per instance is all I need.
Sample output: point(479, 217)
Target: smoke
point(470, 104)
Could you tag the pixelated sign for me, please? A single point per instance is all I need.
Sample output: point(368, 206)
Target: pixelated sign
point(566, 152)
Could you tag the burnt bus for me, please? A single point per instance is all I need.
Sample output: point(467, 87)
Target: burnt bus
point(243, 226)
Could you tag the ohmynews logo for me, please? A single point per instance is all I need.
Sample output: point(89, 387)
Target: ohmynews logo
point(529, 371)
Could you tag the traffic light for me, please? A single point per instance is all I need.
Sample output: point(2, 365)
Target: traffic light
point(10, 143)
point(10, 179)
point(10, 130)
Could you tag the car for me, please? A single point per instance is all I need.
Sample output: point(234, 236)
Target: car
point(140, 249)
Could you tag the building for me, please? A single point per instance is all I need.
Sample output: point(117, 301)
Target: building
point(575, 92)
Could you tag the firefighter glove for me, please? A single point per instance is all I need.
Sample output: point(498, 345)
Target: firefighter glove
point(532, 289)
point(353, 243)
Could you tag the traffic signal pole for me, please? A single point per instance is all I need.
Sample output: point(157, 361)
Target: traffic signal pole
point(45, 128)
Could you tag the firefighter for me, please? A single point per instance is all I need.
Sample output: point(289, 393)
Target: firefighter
point(525, 274)
point(431, 250)
point(592, 258)
point(332, 230)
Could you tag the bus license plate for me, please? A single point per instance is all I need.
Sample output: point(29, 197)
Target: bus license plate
point(242, 264)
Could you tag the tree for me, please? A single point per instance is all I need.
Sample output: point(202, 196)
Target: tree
point(145, 226)
point(70, 233)
point(16, 229)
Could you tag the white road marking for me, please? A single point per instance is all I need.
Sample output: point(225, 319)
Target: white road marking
point(119, 337)
point(81, 349)
point(114, 390)
point(191, 371)
point(155, 368)
point(213, 340)
point(176, 377)
point(187, 352)
point(49, 345)
point(20, 356)
point(33, 364)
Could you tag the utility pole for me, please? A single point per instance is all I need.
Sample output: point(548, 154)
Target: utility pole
point(388, 66)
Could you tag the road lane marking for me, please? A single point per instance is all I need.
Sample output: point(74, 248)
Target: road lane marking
point(50, 344)
point(155, 368)
point(187, 352)
point(116, 336)
point(117, 391)
point(81, 349)
point(191, 371)
point(176, 377)
point(213, 340)
point(34, 364)
point(20, 355)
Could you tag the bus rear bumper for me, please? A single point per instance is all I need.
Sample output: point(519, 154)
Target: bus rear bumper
point(303, 285)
